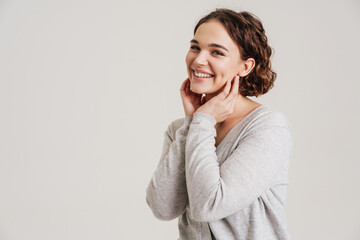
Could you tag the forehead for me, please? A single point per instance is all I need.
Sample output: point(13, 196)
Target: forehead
point(214, 31)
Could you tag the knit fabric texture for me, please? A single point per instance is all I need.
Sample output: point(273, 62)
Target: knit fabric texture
point(236, 190)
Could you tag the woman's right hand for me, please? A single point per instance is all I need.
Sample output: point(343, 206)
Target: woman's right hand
point(191, 101)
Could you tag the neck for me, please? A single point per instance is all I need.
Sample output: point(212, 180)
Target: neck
point(242, 107)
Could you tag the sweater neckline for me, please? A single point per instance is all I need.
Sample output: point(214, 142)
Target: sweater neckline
point(225, 139)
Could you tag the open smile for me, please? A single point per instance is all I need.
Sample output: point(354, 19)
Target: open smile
point(202, 75)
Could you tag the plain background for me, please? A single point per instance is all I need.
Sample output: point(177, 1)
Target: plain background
point(87, 89)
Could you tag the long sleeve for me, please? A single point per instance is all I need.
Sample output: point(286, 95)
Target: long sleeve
point(166, 193)
point(216, 192)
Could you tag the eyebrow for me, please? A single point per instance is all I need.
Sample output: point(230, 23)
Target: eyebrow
point(211, 45)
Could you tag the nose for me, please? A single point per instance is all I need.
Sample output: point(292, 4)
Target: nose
point(201, 58)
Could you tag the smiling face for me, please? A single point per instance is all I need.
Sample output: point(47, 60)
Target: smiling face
point(213, 58)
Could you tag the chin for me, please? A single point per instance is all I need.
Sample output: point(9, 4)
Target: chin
point(200, 90)
point(196, 90)
point(202, 87)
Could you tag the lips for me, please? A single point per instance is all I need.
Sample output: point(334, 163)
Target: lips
point(201, 73)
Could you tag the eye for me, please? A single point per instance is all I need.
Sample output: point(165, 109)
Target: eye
point(218, 53)
point(194, 48)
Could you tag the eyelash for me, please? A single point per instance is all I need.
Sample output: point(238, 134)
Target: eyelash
point(218, 53)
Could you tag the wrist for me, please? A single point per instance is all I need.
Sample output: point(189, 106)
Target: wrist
point(205, 116)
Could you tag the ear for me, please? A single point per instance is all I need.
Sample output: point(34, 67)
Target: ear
point(246, 67)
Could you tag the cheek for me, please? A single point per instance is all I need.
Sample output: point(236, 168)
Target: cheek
point(218, 68)
point(188, 59)
point(225, 69)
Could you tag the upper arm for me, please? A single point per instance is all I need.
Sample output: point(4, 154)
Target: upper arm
point(217, 191)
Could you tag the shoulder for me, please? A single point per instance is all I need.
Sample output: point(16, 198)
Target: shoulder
point(267, 117)
point(267, 123)
point(174, 126)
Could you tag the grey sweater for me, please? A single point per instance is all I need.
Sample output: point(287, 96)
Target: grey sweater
point(234, 191)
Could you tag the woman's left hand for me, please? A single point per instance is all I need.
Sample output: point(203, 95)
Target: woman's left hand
point(223, 104)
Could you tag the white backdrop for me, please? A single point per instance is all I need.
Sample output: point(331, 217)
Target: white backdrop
point(87, 89)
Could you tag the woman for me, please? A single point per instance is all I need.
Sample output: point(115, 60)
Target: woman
point(224, 166)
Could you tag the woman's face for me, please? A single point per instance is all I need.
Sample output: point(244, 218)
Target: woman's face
point(213, 58)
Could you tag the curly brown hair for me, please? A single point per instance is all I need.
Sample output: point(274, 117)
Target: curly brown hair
point(247, 31)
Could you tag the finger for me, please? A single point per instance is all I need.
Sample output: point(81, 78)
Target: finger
point(191, 93)
point(234, 90)
point(183, 85)
point(187, 90)
point(226, 89)
point(235, 87)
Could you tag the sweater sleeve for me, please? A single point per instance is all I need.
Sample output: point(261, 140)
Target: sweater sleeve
point(216, 192)
point(166, 193)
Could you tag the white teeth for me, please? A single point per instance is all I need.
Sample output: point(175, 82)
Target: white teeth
point(201, 74)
